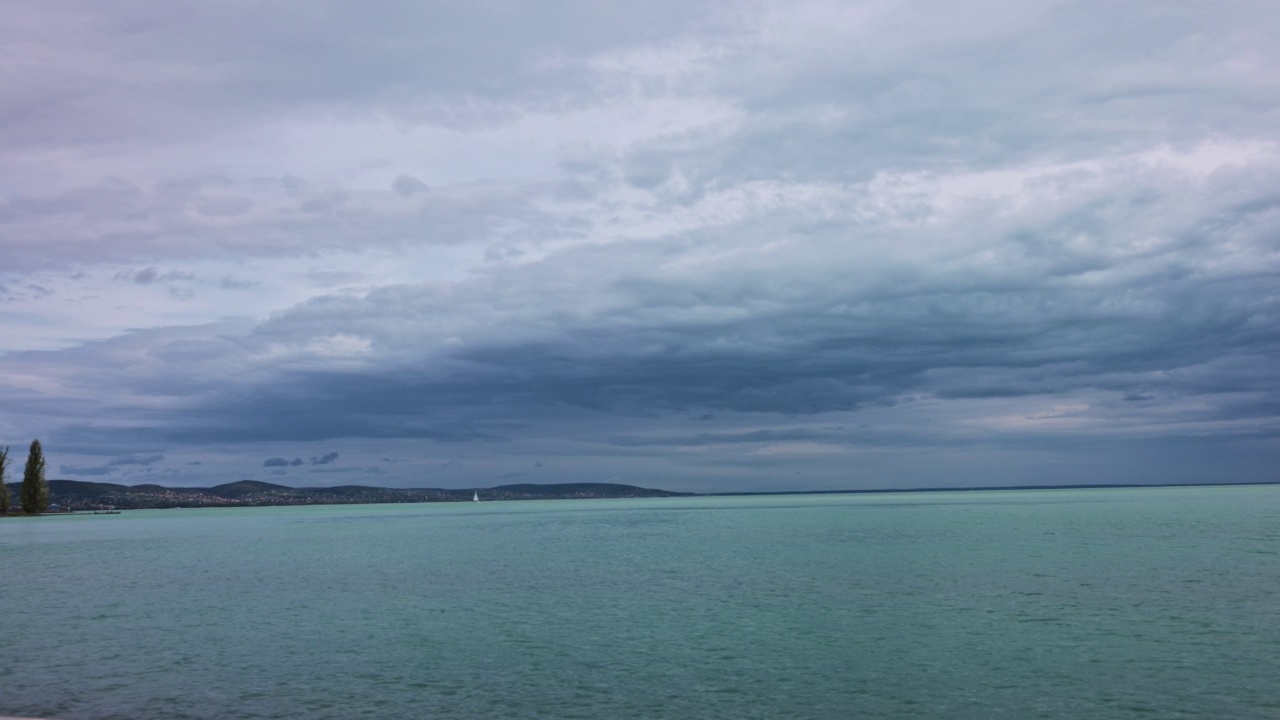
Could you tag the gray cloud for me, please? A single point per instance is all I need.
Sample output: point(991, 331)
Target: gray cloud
point(992, 235)
point(111, 466)
point(408, 186)
point(281, 462)
point(748, 437)
point(146, 276)
point(151, 275)
point(83, 470)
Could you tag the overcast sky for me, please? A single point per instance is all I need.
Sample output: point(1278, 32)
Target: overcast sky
point(692, 245)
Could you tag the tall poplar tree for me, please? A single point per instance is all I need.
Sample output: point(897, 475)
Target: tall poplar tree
point(35, 491)
point(4, 489)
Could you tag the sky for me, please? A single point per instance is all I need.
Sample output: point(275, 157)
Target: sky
point(701, 246)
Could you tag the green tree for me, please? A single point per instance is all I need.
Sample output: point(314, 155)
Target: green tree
point(35, 491)
point(4, 489)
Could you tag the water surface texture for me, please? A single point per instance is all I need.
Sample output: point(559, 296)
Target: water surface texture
point(1134, 603)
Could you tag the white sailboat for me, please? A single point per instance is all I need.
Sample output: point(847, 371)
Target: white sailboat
point(476, 496)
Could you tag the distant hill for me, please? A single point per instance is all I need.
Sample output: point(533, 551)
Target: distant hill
point(246, 488)
point(78, 495)
point(576, 490)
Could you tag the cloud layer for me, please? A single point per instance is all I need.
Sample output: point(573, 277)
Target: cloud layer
point(699, 245)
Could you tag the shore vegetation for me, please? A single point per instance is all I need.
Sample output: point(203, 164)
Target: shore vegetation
point(4, 489)
point(35, 490)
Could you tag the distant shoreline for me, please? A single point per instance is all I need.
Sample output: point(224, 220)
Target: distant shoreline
point(986, 488)
point(79, 496)
point(73, 496)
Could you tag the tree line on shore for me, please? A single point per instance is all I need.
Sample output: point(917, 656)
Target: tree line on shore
point(33, 498)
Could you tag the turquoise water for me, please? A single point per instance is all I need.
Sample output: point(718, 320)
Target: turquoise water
point(1143, 603)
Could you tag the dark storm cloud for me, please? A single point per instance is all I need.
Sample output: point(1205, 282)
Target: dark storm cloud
point(568, 231)
point(1042, 322)
point(777, 335)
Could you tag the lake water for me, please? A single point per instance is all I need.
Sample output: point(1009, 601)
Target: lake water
point(1118, 603)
